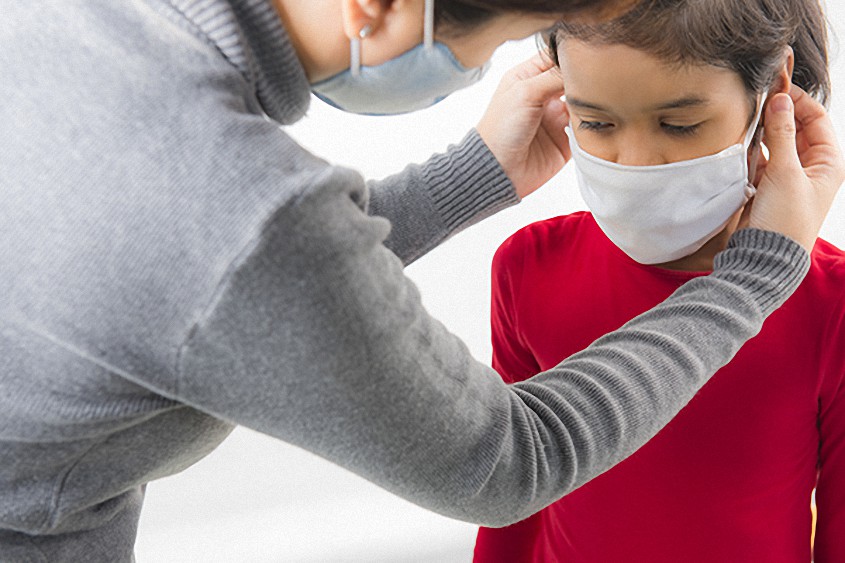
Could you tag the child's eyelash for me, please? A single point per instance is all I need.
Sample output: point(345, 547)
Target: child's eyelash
point(680, 130)
point(594, 125)
point(677, 130)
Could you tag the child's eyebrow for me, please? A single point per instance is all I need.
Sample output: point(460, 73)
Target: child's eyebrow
point(577, 102)
point(680, 103)
point(689, 101)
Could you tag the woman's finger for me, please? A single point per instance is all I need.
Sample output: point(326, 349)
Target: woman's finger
point(780, 132)
point(535, 66)
point(538, 90)
point(555, 120)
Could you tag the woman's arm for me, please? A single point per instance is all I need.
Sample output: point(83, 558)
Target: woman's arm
point(319, 339)
point(428, 203)
point(514, 362)
point(315, 336)
point(519, 145)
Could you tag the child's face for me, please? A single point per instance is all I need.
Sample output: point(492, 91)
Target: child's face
point(631, 108)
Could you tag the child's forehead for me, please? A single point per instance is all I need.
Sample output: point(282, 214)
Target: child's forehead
point(581, 53)
point(624, 70)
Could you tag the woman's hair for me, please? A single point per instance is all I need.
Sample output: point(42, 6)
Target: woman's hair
point(463, 14)
point(748, 37)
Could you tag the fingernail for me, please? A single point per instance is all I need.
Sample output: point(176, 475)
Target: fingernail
point(781, 103)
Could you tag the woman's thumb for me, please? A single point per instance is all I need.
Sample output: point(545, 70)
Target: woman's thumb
point(780, 132)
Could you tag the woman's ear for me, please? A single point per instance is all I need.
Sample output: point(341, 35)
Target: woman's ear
point(389, 28)
point(783, 80)
point(362, 17)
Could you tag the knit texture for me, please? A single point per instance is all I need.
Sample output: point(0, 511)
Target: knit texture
point(174, 264)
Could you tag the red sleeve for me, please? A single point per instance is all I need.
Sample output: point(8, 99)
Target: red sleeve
point(514, 362)
point(511, 357)
point(830, 489)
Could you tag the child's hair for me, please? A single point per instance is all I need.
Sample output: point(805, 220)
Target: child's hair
point(469, 13)
point(460, 15)
point(746, 36)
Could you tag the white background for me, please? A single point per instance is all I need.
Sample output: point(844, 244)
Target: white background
point(258, 500)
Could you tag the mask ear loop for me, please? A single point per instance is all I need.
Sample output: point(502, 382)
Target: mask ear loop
point(367, 30)
point(749, 135)
point(428, 25)
point(355, 50)
point(750, 189)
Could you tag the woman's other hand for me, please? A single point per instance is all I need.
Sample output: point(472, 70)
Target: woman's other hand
point(804, 172)
point(524, 124)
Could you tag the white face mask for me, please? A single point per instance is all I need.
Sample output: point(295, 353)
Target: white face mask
point(415, 80)
point(661, 213)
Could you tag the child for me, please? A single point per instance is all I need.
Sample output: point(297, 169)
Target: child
point(664, 106)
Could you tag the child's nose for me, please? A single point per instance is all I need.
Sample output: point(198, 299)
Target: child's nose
point(637, 150)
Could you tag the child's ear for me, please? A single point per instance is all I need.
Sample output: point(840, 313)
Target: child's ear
point(783, 80)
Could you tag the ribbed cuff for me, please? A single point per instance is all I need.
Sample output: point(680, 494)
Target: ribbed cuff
point(467, 183)
point(769, 265)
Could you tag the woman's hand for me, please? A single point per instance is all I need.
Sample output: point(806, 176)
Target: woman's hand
point(524, 124)
point(804, 171)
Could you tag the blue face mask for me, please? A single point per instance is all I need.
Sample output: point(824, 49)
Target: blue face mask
point(415, 80)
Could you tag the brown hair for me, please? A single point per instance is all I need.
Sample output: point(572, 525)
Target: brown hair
point(746, 36)
point(463, 14)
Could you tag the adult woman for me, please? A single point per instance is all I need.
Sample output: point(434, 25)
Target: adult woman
point(182, 266)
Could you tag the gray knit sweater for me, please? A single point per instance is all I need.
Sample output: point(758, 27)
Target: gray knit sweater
point(173, 264)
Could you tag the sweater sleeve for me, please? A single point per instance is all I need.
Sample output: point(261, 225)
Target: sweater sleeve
point(318, 338)
point(428, 203)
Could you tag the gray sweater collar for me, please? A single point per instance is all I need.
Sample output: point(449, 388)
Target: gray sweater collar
point(250, 34)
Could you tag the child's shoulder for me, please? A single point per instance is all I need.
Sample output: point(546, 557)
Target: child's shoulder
point(829, 253)
point(537, 237)
point(828, 266)
point(828, 259)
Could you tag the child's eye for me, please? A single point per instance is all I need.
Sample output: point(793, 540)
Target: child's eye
point(680, 130)
point(599, 126)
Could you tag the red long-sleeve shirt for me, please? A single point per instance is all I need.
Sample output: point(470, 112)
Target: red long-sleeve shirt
point(731, 477)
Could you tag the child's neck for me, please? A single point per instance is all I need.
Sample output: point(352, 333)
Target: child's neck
point(702, 260)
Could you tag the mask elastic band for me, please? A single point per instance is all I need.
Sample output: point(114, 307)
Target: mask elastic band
point(750, 189)
point(355, 44)
point(355, 50)
point(758, 115)
point(355, 57)
point(428, 25)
